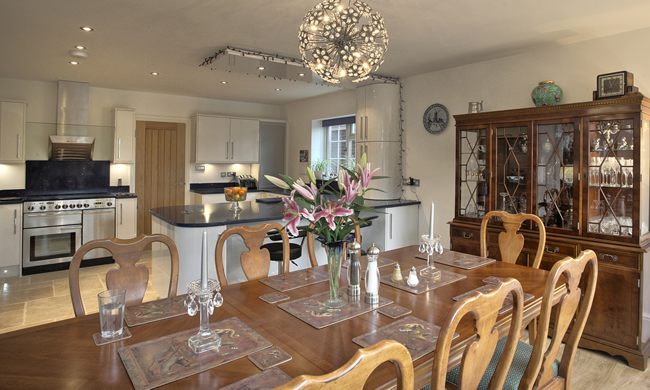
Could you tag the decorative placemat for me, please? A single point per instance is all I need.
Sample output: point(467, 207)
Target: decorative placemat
point(296, 279)
point(312, 311)
point(166, 359)
point(394, 311)
point(268, 379)
point(493, 279)
point(364, 263)
point(458, 260)
point(507, 303)
point(269, 357)
point(274, 297)
point(425, 285)
point(155, 310)
point(418, 336)
point(99, 340)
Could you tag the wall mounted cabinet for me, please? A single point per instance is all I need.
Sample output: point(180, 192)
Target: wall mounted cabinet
point(12, 131)
point(583, 168)
point(124, 142)
point(225, 140)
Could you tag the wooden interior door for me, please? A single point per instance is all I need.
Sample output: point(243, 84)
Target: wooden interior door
point(160, 168)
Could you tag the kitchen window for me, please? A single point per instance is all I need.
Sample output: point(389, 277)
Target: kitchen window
point(341, 146)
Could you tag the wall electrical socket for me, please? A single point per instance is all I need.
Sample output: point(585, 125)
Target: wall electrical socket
point(409, 181)
point(223, 174)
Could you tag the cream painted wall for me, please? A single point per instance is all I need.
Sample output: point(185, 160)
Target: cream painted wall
point(41, 98)
point(501, 84)
point(299, 123)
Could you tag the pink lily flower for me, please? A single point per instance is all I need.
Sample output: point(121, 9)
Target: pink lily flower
point(291, 215)
point(330, 211)
point(365, 175)
point(308, 192)
point(351, 190)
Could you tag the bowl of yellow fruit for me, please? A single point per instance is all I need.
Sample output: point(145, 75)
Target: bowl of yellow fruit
point(235, 195)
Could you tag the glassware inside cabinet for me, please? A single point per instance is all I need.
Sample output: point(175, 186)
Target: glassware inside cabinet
point(512, 168)
point(611, 177)
point(473, 173)
point(555, 175)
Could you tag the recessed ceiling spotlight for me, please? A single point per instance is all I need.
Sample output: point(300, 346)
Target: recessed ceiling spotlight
point(224, 82)
point(155, 73)
point(74, 62)
point(87, 29)
point(301, 74)
point(278, 89)
point(260, 67)
point(79, 47)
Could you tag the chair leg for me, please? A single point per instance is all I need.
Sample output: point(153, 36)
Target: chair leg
point(532, 331)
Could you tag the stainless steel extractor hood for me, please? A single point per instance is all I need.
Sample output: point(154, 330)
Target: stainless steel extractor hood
point(72, 141)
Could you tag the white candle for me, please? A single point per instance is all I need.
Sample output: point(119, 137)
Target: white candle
point(204, 261)
point(431, 227)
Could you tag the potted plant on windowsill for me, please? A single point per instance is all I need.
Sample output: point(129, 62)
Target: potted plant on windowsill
point(319, 166)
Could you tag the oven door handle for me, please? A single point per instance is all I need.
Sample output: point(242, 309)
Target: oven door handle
point(98, 212)
point(71, 228)
point(49, 214)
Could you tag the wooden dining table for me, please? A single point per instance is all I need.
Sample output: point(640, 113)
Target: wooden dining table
point(63, 354)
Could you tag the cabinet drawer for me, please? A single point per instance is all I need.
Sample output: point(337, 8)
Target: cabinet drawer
point(466, 233)
point(465, 246)
point(558, 249)
point(613, 257)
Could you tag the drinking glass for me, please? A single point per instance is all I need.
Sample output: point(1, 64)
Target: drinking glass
point(111, 312)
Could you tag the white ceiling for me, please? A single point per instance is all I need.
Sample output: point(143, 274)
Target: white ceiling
point(133, 38)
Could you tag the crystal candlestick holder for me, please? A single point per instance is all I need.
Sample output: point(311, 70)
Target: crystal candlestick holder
point(201, 300)
point(429, 245)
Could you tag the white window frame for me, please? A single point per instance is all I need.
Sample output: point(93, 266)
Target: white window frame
point(350, 145)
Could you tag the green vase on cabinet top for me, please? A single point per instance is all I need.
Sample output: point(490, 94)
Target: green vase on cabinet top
point(547, 93)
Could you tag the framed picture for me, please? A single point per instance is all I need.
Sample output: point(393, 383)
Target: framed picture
point(612, 85)
point(304, 155)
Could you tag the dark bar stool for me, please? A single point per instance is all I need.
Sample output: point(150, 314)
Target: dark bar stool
point(275, 248)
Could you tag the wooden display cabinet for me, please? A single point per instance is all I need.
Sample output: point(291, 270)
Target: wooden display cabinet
point(583, 168)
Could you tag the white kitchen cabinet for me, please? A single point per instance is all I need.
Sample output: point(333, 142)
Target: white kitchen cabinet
point(11, 233)
point(395, 227)
point(12, 131)
point(124, 143)
point(126, 221)
point(378, 113)
point(225, 140)
point(385, 156)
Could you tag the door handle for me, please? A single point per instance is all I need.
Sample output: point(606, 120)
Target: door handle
point(15, 220)
point(366, 127)
point(390, 227)
point(226, 150)
point(121, 217)
point(119, 147)
point(360, 128)
point(18, 146)
point(232, 150)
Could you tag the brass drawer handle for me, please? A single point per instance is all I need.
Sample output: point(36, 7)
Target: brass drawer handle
point(468, 236)
point(603, 255)
point(555, 250)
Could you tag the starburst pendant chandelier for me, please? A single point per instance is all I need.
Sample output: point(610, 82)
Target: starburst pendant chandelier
point(337, 42)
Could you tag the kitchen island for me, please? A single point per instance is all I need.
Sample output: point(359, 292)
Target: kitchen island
point(185, 225)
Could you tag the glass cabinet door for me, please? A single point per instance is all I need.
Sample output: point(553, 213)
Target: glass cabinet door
point(555, 194)
point(610, 199)
point(473, 173)
point(512, 169)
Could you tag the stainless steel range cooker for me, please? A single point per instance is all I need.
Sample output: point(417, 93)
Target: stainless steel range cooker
point(54, 229)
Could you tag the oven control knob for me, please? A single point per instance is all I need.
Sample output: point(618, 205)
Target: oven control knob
point(58, 206)
point(109, 204)
point(30, 208)
point(65, 206)
point(71, 206)
point(43, 207)
point(86, 205)
point(80, 206)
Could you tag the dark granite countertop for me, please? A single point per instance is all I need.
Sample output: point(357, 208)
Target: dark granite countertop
point(219, 214)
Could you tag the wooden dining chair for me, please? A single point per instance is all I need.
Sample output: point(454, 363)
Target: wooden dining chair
point(132, 278)
point(354, 373)
point(256, 261)
point(310, 244)
point(484, 310)
point(536, 367)
point(511, 242)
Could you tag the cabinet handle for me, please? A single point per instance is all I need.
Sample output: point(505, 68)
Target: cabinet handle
point(360, 129)
point(15, 220)
point(119, 147)
point(366, 147)
point(390, 227)
point(555, 250)
point(468, 236)
point(121, 218)
point(18, 146)
point(226, 150)
point(366, 127)
point(232, 150)
point(603, 255)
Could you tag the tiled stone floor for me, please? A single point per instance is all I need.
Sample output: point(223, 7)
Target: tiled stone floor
point(39, 299)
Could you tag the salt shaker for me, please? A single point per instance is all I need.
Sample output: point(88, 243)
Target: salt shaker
point(354, 270)
point(413, 278)
point(372, 276)
point(397, 274)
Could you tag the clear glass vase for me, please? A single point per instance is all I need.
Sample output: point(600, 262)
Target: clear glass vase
point(335, 255)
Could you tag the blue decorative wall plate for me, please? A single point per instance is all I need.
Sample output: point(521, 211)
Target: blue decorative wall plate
point(436, 118)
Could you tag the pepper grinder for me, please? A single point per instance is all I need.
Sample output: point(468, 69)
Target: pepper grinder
point(354, 270)
point(372, 276)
